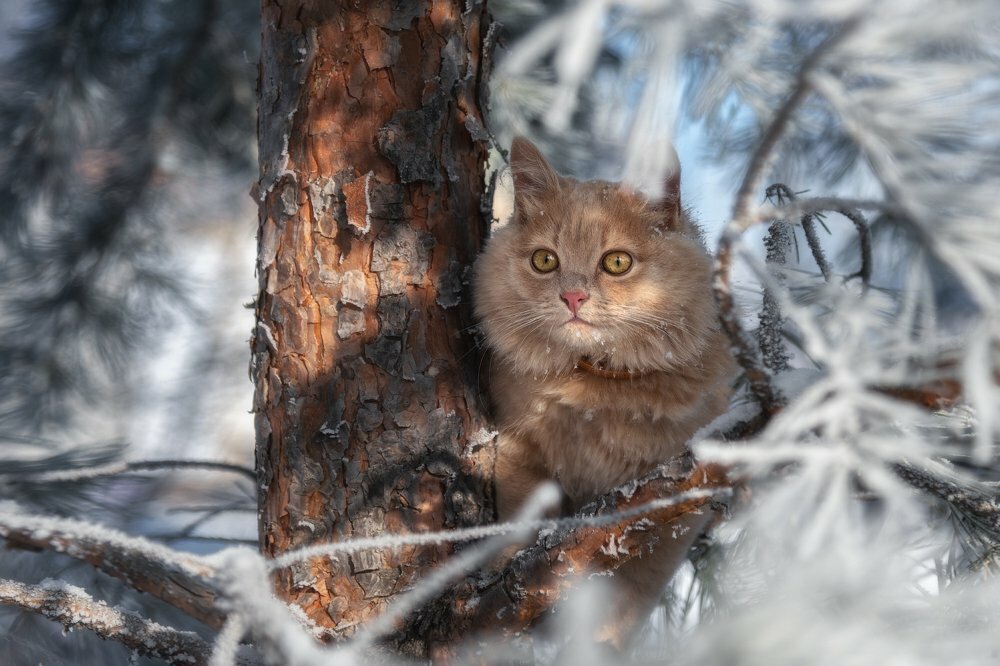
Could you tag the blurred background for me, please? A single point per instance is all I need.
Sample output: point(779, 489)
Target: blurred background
point(127, 239)
point(127, 233)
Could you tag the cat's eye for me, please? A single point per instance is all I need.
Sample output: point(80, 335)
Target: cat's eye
point(617, 262)
point(544, 261)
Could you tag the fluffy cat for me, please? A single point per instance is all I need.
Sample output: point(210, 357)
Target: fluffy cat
point(607, 357)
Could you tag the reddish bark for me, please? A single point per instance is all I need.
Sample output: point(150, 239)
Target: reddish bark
point(541, 575)
point(372, 182)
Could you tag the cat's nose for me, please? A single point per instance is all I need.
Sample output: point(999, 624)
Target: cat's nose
point(573, 299)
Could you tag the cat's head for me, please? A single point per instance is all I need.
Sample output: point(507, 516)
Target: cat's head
point(593, 269)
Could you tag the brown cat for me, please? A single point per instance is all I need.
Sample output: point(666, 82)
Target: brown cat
point(596, 304)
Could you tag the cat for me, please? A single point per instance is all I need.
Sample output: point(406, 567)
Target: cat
point(596, 306)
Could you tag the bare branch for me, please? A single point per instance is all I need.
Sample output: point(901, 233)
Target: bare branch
point(72, 607)
point(176, 578)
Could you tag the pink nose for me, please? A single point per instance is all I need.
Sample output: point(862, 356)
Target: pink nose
point(573, 299)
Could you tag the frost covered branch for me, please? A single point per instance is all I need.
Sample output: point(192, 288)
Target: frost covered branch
point(742, 219)
point(864, 243)
point(778, 243)
point(176, 578)
point(765, 152)
point(783, 193)
point(73, 608)
point(967, 501)
point(541, 575)
point(137, 466)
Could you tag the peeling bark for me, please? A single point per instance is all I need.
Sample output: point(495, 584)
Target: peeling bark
point(370, 195)
point(541, 575)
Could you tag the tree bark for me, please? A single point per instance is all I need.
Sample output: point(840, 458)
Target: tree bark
point(615, 528)
point(371, 191)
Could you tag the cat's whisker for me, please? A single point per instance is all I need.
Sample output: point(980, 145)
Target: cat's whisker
point(670, 327)
point(508, 328)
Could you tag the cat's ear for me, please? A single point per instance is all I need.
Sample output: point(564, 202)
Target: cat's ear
point(669, 201)
point(532, 174)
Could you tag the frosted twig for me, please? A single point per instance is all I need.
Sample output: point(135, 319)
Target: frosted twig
point(483, 532)
point(333, 550)
point(864, 242)
point(966, 501)
point(808, 221)
point(72, 607)
point(778, 244)
point(742, 219)
point(804, 206)
point(278, 633)
point(179, 579)
point(115, 469)
point(227, 642)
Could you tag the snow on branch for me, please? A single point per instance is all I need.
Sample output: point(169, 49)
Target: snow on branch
point(604, 535)
point(177, 578)
point(134, 467)
point(73, 608)
point(967, 501)
point(765, 153)
point(864, 243)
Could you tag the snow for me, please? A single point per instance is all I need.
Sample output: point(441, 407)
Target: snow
point(71, 535)
point(614, 546)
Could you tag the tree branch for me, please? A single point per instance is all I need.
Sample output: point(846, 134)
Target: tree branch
point(783, 193)
point(541, 575)
point(808, 223)
point(176, 578)
point(72, 607)
point(137, 466)
point(967, 501)
point(743, 346)
point(778, 244)
point(765, 153)
point(864, 241)
point(801, 207)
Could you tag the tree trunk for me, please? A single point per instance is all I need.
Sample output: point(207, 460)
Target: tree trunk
point(371, 192)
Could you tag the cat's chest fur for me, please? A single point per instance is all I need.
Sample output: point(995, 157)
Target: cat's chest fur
point(591, 433)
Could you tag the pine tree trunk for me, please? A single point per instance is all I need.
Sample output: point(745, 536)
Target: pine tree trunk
point(371, 191)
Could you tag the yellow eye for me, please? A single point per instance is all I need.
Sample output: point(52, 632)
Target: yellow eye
point(617, 262)
point(544, 261)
